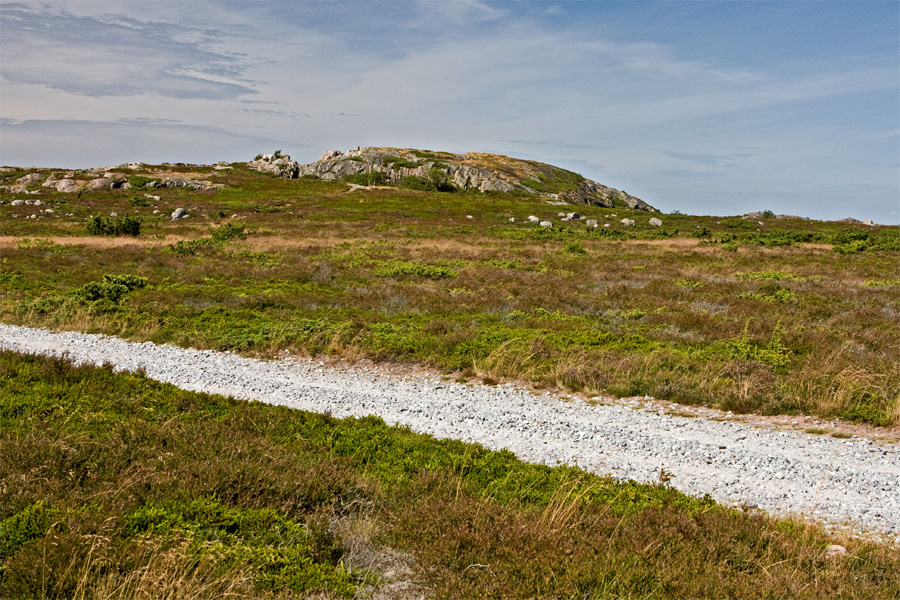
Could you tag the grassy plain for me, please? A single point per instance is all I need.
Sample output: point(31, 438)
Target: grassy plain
point(770, 316)
point(115, 486)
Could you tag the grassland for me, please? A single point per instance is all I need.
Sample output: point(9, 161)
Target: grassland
point(771, 316)
point(115, 486)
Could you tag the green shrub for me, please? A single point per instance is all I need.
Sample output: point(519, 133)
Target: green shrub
point(187, 247)
point(113, 288)
point(24, 526)
point(229, 231)
point(417, 183)
point(854, 247)
point(739, 223)
point(139, 181)
point(369, 178)
point(114, 226)
point(775, 353)
point(401, 162)
point(394, 268)
point(440, 180)
point(575, 247)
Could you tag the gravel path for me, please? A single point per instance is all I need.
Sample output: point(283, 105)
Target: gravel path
point(851, 482)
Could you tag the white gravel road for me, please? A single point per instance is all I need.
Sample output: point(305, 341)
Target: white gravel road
point(854, 483)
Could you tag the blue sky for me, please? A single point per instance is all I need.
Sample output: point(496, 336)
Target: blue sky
point(709, 108)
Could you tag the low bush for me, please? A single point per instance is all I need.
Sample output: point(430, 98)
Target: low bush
point(126, 225)
point(116, 486)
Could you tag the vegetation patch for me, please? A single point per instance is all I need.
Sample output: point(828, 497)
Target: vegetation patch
point(366, 275)
point(114, 226)
point(112, 485)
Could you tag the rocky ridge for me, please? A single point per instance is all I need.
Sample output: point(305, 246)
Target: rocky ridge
point(481, 171)
point(102, 178)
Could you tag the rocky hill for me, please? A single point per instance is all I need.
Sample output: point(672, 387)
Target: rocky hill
point(445, 171)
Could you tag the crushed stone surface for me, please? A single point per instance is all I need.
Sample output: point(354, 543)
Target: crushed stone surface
point(851, 484)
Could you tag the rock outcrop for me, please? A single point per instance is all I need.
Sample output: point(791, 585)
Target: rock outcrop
point(278, 164)
point(484, 172)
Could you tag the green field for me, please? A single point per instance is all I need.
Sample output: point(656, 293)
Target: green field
point(115, 486)
point(772, 316)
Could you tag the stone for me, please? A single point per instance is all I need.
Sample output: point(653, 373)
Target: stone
point(592, 223)
point(67, 186)
point(606, 225)
point(573, 216)
point(178, 213)
point(17, 203)
point(533, 219)
point(330, 155)
point(30, 179)
point(656, 222)
point(279, 166)
point(512, 219)
point(101, 183)
point(627, 222)
point(835, 551)
point(546, 224)
point(869, 222)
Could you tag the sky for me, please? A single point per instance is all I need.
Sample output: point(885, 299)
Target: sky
point(713, 108)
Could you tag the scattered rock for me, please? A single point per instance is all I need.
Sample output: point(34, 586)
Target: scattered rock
point(512, 219)
point(546, 224)
point(573, 216)
point(592, 223)
point(835, 551)
point(869, 222)
point(179, 213)
point(533, 219)
point(17, 203)
point(606, 224)
point(627, 222)
point(656, 222)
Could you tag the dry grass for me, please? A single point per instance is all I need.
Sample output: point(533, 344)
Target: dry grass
point(665, 314)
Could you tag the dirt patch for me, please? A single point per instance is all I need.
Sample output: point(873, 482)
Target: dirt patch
point(8, 241)
point(670, 242)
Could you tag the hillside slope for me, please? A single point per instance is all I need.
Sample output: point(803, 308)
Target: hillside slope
point(444, 171)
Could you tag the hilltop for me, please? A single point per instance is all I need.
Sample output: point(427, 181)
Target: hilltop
point(445, 171)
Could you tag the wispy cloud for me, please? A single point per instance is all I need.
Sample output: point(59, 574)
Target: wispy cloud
point(115, 56)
